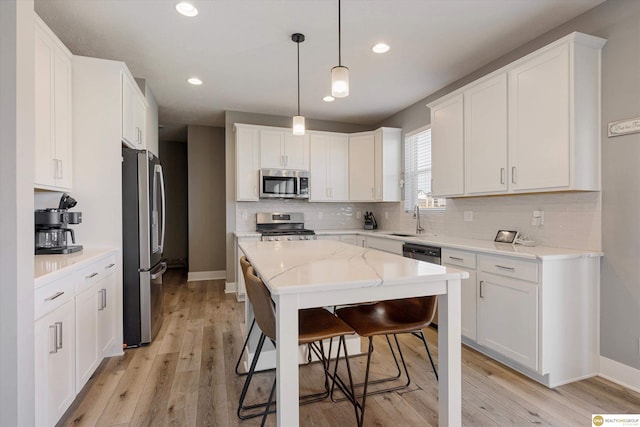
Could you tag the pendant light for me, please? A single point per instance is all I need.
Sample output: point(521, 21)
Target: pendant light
point(298, 121)
point(339, 74)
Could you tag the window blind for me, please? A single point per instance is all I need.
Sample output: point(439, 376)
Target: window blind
point(417, 171)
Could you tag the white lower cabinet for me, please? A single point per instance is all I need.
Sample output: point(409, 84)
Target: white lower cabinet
point(54, 364)
point(383, 244)
point(508, 318)
point(466, 261)
point(88, 354)
point(75, 327)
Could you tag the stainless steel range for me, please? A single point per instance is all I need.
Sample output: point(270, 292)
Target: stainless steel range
point(277, 226)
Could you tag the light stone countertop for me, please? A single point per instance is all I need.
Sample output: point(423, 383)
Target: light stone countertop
point(324, 265)
point(50, 267)
point(518, 251)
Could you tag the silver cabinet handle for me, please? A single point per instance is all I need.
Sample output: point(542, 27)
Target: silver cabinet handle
point(505, 268)
point(513, 174)
point(59, 333)
point(109, 266)
point(482, 289)
point(501, 175)
point(53, 349)
point(54, 296)
point(101, 306)
point(456, 258)
point(91, 276)
point(104, 297)
point(286, 160)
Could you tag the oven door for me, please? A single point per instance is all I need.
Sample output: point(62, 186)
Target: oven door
point(278, 184)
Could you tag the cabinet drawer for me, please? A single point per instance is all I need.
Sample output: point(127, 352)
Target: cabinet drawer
point(510, 267)
point(387, 245)
point(51, 296)
point(459, 258)
point(94, 272)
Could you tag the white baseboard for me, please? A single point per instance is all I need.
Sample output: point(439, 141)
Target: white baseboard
point(620, 373)
point(194, 276)
point(230, 287)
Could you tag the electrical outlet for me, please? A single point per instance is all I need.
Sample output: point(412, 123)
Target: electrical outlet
point(386, 215)
point(358, 215)
point(468, 216)
point(319, 215)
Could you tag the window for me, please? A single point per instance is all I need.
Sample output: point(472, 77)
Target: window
point(417, 171)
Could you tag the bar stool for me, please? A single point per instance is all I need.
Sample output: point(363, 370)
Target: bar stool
point(315, 325)
point(392, 317)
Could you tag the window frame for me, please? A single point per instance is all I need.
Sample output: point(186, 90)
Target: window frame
point(436, 203)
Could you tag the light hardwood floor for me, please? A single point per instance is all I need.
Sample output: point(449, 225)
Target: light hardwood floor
point(186, 378)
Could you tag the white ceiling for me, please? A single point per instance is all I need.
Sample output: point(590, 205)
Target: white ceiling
point(243, 52)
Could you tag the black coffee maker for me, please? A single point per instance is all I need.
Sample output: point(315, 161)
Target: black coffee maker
point(52, 228)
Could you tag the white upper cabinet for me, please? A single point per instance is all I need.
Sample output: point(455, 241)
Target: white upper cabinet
point(247, 163)
point(387, 164)
point(52, 86)
point(532, 126)
point(447, 148)
point(362, 167)
point(280, 149)
point(329, 167)
point(134, 113)
point(485, 136)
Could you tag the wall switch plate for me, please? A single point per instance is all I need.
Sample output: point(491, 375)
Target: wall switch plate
point(468, 216)
point(319, 215)
point(358, 215)
point(386, 215)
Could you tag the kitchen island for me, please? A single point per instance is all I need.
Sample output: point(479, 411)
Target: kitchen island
point(317, 273)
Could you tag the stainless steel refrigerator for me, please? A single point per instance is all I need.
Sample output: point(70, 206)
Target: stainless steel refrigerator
point(143, 226)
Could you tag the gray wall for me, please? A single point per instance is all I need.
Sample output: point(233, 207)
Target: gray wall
point(619, 22)
point(232, 117)
point(206, 176)
point(173, 156)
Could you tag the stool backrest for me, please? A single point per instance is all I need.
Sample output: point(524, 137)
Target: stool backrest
point(263, 307)
point(412, 310)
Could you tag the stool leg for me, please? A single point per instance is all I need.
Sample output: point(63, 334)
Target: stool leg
point(266, 411)
point(246, 341)
point(426, 346)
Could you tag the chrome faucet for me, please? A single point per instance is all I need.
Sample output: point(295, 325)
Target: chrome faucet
point(416, 215)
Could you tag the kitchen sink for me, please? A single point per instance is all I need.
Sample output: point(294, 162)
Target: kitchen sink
point(412, 235)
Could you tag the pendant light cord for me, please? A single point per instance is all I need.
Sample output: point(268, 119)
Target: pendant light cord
point(339, 37)
point(298, 43)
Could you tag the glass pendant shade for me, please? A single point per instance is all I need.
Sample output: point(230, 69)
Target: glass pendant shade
point(340, 81)
point(298, 125)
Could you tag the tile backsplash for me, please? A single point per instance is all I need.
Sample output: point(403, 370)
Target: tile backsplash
point(571, 220)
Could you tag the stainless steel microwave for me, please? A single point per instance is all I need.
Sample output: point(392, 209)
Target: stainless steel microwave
point(284, 184)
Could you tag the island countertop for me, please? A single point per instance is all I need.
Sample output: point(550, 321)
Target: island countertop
point(309, 265)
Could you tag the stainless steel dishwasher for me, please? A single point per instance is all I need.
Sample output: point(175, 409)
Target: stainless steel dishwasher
point(432, 254)
point(420, 252)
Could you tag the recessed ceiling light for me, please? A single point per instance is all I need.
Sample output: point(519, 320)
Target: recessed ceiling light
point(380, 48)
point(195, 81)
point(186, 9)
point(328, 98)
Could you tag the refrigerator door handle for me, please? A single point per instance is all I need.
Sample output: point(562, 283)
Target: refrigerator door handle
point(160, 272)
point(158, 170)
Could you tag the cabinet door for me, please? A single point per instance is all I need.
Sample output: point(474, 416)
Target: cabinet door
point(247, 164)
point(296, 151)
point(62, 119)
point(539, 122)
point(485, 136)
point(319, 148)
point(271, 147)
point(469, 291)
point(139, 119)
point(447, 148)
point(339, 168)
point(387, 164)
point(361, 168)
point(508, 318)
point(106, 311)
point(44, 103)
point(129, 133)
point(54, 364)
point(88, 354)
